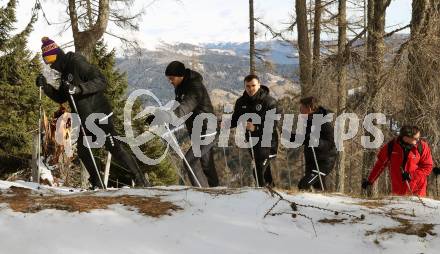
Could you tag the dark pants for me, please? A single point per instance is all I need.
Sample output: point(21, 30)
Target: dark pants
point(119, 154)
point(203, 167)
point(262, 163)
point(311, 178)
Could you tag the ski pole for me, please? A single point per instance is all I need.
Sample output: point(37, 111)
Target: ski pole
point(253, 159)
point(178, 172)
point(39, 142)
point(317, 168)
point(410, 189)
point(87, 142)
point(170, 133)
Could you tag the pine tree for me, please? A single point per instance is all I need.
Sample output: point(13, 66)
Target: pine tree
point(19, 97)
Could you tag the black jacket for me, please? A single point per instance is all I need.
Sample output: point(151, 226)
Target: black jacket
point(326, 149)
point(259, 104)
point(75, 69)
point(193, 97)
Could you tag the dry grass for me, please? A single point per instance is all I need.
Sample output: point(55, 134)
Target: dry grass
point(219, 192)
point(407, 227)
point(372, 204)
point(25, 201)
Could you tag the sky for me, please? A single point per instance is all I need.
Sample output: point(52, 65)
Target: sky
point(191, 21)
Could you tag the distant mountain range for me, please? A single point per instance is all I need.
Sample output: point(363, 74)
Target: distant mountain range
point(278, 52)
point(223, 67)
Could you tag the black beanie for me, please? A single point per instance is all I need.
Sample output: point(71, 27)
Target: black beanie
point(175, 68)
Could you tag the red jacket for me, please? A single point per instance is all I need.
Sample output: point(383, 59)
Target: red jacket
point(419, 166)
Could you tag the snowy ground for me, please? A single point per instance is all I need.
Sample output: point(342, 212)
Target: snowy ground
point(220, 221)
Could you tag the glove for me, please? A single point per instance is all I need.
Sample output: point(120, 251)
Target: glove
point(159, 117)
point(74, 90)
point(436, 171)
point(40, 81)
point(406, 176)
point(365, 184)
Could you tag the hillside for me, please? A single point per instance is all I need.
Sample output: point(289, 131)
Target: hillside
point(223, 70)
point(37, 219)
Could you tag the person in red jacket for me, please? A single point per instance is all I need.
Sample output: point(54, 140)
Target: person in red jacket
point(409, 161)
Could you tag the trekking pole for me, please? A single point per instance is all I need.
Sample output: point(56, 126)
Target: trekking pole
point(39, 141)
point(317, 169)
point(253, 159)
point(409, 188)
point(163, 137)
point(170, 133)
point(87, 142)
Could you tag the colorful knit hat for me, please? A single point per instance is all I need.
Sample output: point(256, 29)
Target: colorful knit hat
point(50, 50)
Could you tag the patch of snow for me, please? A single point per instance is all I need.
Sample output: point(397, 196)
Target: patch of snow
point(196, 51)
point(228, 52)
point(354, 91)
point(274, 78)
point(45, 172)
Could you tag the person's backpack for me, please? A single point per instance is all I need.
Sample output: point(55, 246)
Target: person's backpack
point(390, 147)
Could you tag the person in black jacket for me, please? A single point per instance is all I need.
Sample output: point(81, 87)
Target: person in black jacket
point(86, 84)
point(193, 98)
point(326, 153)
point(256, 99)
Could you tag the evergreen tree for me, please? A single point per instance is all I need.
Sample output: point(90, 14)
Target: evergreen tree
point(19, 97)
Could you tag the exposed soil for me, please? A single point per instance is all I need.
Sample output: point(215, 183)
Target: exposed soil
point(26, 201)
point(408, 227)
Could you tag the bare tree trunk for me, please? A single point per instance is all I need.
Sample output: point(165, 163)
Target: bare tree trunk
point(342, 83)
point(374, 63)
point(85, 41)
point(305, 59)
point(316, 40)
point(251, 38)
point(89, 13)
point(423, 83)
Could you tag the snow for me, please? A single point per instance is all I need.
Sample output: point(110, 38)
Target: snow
point(274, 78)
point(224, 52)
point(45, 171)
point(213, 222)
point(355, 90)
point(188, 52)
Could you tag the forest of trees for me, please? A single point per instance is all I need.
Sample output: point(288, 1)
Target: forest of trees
point(362, 68)
point(397, 80)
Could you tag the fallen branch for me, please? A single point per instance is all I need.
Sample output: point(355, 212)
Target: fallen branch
point(294, 216)
point(294, 206)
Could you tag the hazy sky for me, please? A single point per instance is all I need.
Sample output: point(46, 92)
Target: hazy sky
point(193, 21)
